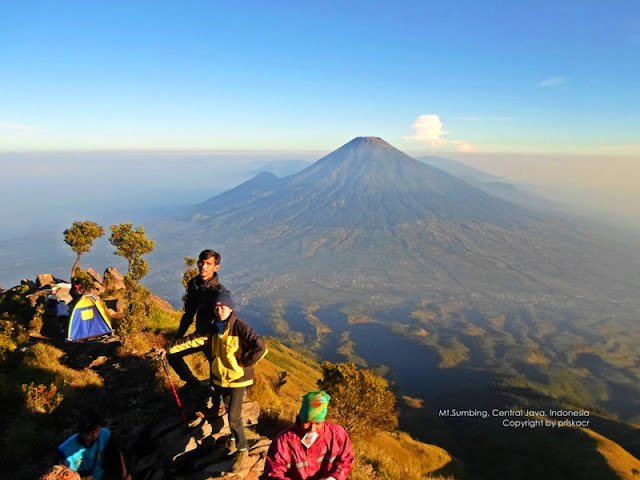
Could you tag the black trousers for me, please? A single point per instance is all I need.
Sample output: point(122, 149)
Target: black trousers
point(233, 398)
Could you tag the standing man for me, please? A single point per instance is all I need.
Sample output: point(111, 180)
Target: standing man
point(310, 448)
point(198, 303)
point(234, 348)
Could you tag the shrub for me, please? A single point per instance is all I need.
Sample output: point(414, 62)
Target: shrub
point(280, 381)
point(15, 306)
point(40, 398)
point(36, 323)
point(83, 279)
point(11, 335)
point(360, 401)
point(135, 310)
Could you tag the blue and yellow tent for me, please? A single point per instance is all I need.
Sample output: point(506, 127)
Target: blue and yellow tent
point(89, 318)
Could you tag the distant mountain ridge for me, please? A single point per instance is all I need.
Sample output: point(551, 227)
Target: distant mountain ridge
point(489, 183)
point(370, 209)
point(458, 169)
point(365, 183)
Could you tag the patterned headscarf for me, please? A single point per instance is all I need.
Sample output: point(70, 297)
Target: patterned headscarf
point(314, 406)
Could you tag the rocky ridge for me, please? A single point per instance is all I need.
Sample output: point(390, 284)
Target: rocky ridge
point(158, 445)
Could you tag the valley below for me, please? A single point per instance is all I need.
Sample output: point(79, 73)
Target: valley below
point(573, 365)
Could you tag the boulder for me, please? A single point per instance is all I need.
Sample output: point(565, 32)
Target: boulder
point(44, 279)
point(29, 283)
point(199, 450)
point(63, 293)
point(113, 279)
point(161, 303)
point(120, 304)
point(95, 275)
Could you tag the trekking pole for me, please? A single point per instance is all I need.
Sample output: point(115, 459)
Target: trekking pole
point(173, 388)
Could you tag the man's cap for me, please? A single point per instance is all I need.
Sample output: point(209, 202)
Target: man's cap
point(314, 406)
point(223, 297)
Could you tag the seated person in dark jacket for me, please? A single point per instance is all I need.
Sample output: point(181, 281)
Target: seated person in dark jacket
point(93, 452)
point(198, 303)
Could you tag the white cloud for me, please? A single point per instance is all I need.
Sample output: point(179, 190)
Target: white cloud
point(462, 146)
point(552, 82)
point(428, 128)
point(16, 127)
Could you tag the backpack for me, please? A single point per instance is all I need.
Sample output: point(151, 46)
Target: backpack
point(60, 472)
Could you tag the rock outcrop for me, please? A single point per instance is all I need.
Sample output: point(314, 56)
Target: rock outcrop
point(113, 280)
point(44, 279)
point(201, 450)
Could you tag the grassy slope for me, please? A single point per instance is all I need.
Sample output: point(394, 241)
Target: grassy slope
point(579, 453)
point(625, 465)
point(389, 455)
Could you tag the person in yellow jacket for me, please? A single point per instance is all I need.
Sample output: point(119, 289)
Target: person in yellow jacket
point(235, 348)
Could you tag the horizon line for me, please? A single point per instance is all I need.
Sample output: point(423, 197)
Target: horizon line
point(306, 152)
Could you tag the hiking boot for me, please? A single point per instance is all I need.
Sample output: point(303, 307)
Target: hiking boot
point(241, 460)
point(230, 445)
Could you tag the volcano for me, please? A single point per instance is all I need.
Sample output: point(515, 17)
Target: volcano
point(366, 184)
point(373, 214)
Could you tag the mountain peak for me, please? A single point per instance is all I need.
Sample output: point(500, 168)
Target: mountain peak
point(370, 141)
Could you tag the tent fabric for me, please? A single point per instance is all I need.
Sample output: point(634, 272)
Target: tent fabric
point(89, 318)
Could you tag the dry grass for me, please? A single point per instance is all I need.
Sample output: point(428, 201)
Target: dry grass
point(473, 330)
point(159, 320)
point(498, 321)
point(424, 316)
point(358, 319)
point(620, 461)
point(46, 357)
point(535, 358)
point(392, 456)
point(396, 456)
point(413, 402)
point(302, 376)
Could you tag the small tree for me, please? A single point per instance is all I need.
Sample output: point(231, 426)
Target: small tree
point(189, 272)
point(80, 238)
point(136, 309)
point(360, 401)
point(132, 244)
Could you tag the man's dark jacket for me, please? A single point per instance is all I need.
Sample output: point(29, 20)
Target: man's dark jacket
point(199, 300)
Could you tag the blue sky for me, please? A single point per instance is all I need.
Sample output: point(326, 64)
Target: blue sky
point(545, 93)
point(543, 77)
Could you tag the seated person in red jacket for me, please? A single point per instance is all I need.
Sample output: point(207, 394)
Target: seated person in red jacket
point(310, 448)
